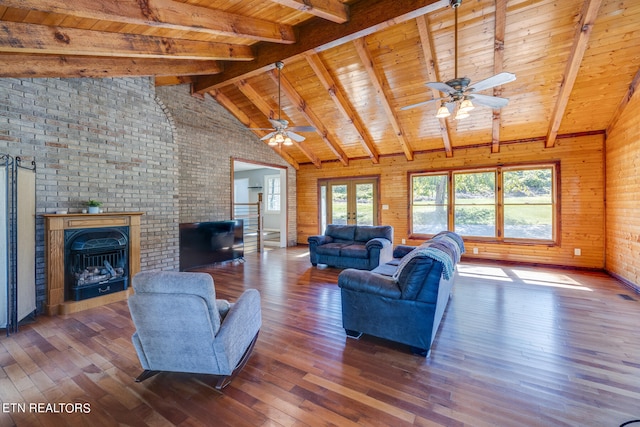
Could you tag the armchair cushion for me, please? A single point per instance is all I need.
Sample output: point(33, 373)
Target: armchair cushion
point(173, 282)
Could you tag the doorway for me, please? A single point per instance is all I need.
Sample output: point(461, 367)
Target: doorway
point(348, 201)
point(251, 179)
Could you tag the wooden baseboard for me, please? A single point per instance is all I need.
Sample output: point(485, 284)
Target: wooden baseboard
point(633, 286)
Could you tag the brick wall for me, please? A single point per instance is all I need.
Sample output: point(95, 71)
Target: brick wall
point(106, 139)
point(208, 136)
point(120, 141)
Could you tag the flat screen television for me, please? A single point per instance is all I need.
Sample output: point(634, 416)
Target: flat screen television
point(205, 243)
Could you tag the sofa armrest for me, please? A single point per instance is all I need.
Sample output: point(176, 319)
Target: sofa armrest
point(368, 282)
point(319, 240)
point(402, 250)
point(377, 242)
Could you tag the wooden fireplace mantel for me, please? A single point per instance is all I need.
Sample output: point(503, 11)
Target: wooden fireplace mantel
point(55, 225)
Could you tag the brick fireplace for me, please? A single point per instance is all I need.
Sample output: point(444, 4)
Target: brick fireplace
point(86, 284)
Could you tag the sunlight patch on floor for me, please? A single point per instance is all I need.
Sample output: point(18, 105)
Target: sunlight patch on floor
point(532, 277)
point(483, 272)
point(528, 277)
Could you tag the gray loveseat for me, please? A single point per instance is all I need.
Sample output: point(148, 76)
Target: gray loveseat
point(352, 246)
point(403, 300)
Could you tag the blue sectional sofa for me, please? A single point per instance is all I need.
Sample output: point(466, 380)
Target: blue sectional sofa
point(404, 299)
point(352, 246)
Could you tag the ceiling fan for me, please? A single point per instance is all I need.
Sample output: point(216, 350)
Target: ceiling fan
point(459, 92)
point(281, 132)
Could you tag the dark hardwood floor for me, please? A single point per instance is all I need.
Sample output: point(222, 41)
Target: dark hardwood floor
point(518, 346)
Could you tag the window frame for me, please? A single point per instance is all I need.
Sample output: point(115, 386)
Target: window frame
point(268, 194)
point(499, 204)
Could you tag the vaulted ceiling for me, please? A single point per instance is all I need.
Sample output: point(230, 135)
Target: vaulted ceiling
point(350, 66)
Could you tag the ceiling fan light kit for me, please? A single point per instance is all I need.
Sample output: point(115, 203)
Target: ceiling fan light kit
point(280, 138)
point(459, 93)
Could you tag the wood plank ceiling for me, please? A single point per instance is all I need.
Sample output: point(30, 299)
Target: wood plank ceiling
point(350, 66)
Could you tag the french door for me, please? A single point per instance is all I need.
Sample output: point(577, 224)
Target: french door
point(348, 201)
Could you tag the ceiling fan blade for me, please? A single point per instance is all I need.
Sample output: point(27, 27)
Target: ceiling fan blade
point(260, 128)
point(419, 104)
point(496, 80)
point(267, 136)
point(295, 137)
point(442, 87)
point(302, 128)
point(489, 101)
point(279, 124)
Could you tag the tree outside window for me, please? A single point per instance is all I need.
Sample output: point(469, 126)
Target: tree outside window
point(430, 203)
point(475, 203)
point(528, 203)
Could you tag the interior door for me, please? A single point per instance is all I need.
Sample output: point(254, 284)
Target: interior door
point(349, 201)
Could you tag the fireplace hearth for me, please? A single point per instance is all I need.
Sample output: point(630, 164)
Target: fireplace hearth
point(96, 262)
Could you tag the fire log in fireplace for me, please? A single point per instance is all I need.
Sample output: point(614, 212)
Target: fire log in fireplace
point(96, 261)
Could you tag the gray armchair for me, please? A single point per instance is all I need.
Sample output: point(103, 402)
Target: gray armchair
point(181, 327)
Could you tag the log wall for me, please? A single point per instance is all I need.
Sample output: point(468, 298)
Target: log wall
point(623, 193)
point(582, 196)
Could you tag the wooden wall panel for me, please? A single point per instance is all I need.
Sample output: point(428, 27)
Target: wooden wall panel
point(582, 195)
point(623, 193)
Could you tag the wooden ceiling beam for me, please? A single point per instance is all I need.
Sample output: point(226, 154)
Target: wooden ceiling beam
point(256, 99)
point(331, 10)
point(498, 61)
point(433, 75)
point(266, 109)
point(376, 80)
point(245, 120)
point(366, 17)
point(311, 117)
point(344, 106)
point(42, 39)
point(588, 17)
point(172, 80)
point(12, 65)
point(633, 87)
point(166, 14)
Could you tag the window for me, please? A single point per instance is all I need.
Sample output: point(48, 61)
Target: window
point(506, 203)
point(475, 203)
point(272, 193)
point(528, 203)
point(430, 202)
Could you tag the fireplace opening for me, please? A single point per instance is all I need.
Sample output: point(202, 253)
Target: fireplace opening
point(96, 262)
